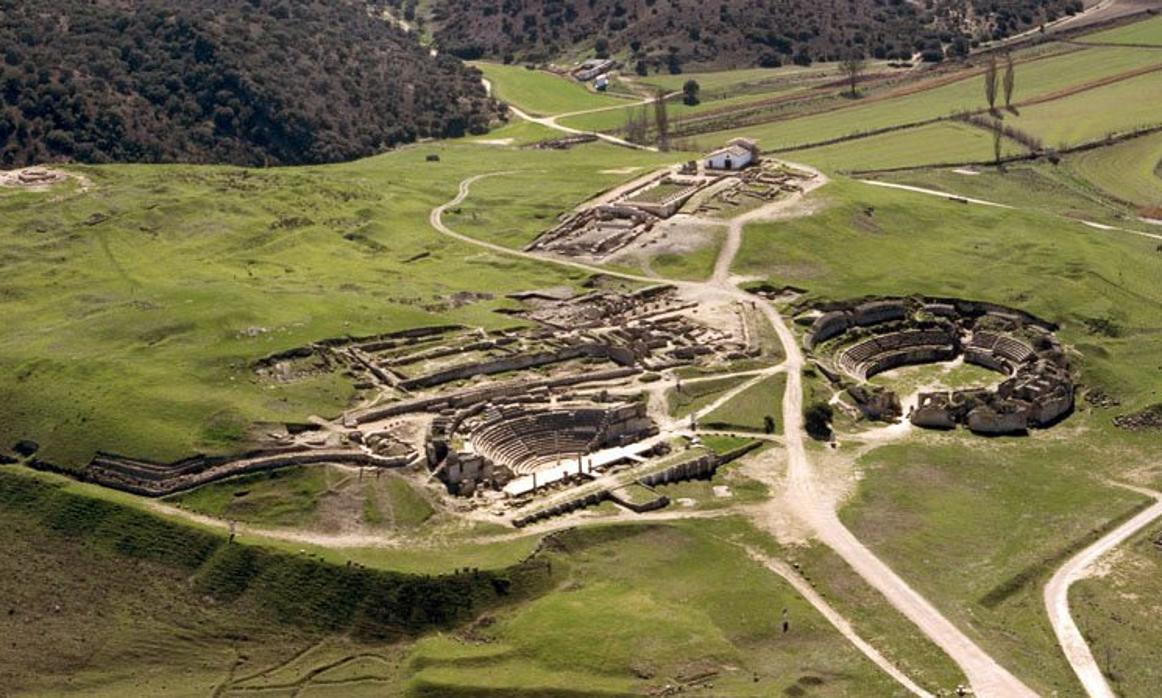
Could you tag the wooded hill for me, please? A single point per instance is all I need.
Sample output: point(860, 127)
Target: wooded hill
point(250, 83)
point(670, 34)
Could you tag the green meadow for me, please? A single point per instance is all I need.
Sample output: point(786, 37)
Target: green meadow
point(1037, 77)
point(1130, 170)
point(541, 93)
point(166, 283)
point(940, 143)
point(1147, 32)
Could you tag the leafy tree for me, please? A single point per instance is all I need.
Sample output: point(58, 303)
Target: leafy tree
point(601, 47)
point(817, 421)
point(690, 92)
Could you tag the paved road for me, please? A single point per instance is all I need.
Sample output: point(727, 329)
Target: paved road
point(1078, 567)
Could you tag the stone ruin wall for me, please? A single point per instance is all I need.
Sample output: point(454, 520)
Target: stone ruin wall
point(152, 479)
point(1037, 394)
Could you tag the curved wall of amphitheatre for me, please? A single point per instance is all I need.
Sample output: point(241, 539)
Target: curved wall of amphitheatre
point(889, 333)
point(523, 442)
point(513, 437)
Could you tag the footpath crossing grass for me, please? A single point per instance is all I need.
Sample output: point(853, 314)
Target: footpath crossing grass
point(1131, 170)
point(978, 526)
point(638, 607)
point(1118, 617)
point(540, 93)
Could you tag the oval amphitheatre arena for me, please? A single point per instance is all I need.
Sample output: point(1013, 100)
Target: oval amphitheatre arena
point(852, 342)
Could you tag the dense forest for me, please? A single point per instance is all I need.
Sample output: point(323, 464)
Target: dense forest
point(669, 34)
point(238, 81)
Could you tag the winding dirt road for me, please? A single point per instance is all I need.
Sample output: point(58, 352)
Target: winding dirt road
point(1079, 567)
point(988, 678)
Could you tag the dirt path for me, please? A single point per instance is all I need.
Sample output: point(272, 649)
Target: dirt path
point(988, 678)
point(772, 211)
point(551, 122)
point(1080, 566)
point(817, 511)
point(982, 202)
point(808, 592)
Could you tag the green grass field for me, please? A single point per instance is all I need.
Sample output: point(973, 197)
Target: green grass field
point(640, 607)
point(748, 409)
point(167, 282)
point(696, 395)
point(1036, 78)
point(941, 143)
point(316, 498)
point(1094, 114)
point(1131, 170)
point(1118, 616)
point(978, 527)
point(542, 94)
point(1147, 32)
point(611, 120)
point(742, 80)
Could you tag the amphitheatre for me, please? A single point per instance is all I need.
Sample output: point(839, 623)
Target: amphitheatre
point(832, 384)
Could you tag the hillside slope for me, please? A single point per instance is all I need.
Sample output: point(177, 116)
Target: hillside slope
point(730, 33)
point(258, 82)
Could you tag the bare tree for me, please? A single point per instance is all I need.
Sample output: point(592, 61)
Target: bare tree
point(853, 67)
point(636, 125)
point(662, 121)
point(1009, 80)
point(990, 82)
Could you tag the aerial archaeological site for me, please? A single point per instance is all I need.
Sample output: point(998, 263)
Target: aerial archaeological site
point(804, 348)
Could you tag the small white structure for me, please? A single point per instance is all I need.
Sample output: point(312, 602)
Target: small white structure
point(601, 83)
point(738, 153)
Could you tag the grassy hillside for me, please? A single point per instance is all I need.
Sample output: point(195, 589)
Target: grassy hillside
point(727, 33)
point(167, 283)
point(940, 143)
point(122, 598)
point(540, 93)
point(255, 83)
point(642, 607)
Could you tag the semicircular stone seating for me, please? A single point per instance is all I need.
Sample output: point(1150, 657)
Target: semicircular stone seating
point(527, 440)
point(891, 350)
